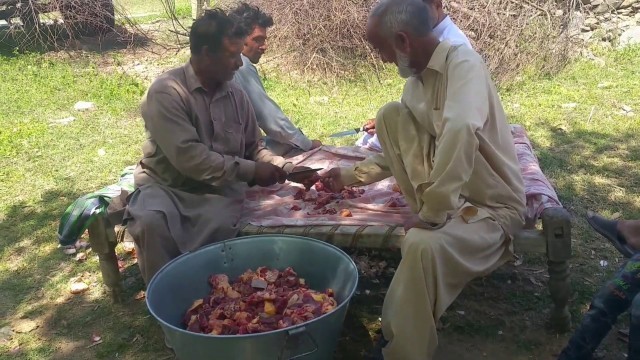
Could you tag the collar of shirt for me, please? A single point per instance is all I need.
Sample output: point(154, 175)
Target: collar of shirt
point(438, 59)
point(246, 62)
point(193, 83)
point(439, 29)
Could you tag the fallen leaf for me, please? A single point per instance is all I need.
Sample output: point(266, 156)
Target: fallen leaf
point(101, 152)
point(604, 263)
point(460, 312)
point(78, 287)
point(81, 257)
point(5, 334)
point(569, 105)
point(25, 326)
point(136, 338)
point(129, 246)
point(95, 337)
point(69, 250)
point(141, 295)
point(519, 260)
point(616, 216)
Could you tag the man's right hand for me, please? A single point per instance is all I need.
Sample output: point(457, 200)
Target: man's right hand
point(370, 126)
point(268, 174)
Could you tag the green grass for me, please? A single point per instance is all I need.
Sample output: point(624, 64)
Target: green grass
point(148, 7)
point(591, 158)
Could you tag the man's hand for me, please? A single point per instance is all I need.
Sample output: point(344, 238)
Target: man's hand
point(315, 144)
point(268, 174)
point(334, 180)
point(370, 126)
point(416, 222)
point(300, 179)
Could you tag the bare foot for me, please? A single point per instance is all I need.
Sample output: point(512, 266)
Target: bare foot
point(630, 229)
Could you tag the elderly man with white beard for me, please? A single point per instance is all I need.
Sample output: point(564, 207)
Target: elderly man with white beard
point(449, 146)
point(444, 29)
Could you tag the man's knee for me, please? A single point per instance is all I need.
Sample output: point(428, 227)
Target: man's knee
point(420, 241)
point(145, 221)
point(389, 114)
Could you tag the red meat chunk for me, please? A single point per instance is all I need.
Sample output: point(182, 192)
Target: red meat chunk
point(282, 299)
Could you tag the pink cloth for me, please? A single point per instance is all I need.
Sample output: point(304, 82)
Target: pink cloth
point(273, 206)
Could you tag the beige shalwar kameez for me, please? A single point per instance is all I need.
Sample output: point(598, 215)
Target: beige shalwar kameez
point(200, 153)
point(450, 148)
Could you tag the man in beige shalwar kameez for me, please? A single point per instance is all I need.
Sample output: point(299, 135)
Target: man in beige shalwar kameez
point(203, 148)
point(450, 149)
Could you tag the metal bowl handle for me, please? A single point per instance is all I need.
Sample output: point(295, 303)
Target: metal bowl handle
point(295, 335)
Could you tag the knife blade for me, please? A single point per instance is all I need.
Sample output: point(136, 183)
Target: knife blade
point(347, 132)
point(293, 174)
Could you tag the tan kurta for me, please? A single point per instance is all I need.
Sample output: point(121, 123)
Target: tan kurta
point(450, 148)
point(200, 153)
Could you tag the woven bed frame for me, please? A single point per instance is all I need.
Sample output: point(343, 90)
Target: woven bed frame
point(553, 239)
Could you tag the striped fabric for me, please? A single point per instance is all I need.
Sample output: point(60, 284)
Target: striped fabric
point(82, 212)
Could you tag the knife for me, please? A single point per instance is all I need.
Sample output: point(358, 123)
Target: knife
point(348, 132)
point(299, 172)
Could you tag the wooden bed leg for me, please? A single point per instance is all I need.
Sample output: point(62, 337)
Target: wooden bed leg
point(556, 225)
point(103, 241)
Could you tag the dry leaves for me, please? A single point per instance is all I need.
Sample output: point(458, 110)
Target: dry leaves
point(140, 295)
point(80, 257)
point(369, 267)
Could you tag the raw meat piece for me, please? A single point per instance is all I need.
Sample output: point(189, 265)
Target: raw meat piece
point(308, 183)
point(283, 300)
point(396, 203)
point(295, 208)
point(299, 195)
point(345, 213)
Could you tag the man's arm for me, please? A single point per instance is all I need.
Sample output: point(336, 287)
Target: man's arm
point(365, 172)
point(165, 116)
point(255, 148)
point(465, 112)
point(270, 117)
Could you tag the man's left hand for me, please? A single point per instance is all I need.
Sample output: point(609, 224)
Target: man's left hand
point(416, 222)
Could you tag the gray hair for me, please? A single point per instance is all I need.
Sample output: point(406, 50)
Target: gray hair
point(411, 16)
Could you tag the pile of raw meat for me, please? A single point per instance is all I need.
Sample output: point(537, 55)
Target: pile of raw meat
point(260, 301)
point(324, 196)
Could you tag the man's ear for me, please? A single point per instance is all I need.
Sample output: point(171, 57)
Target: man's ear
point(401, 40)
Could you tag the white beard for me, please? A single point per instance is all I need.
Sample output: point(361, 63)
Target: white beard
point(404, 69)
